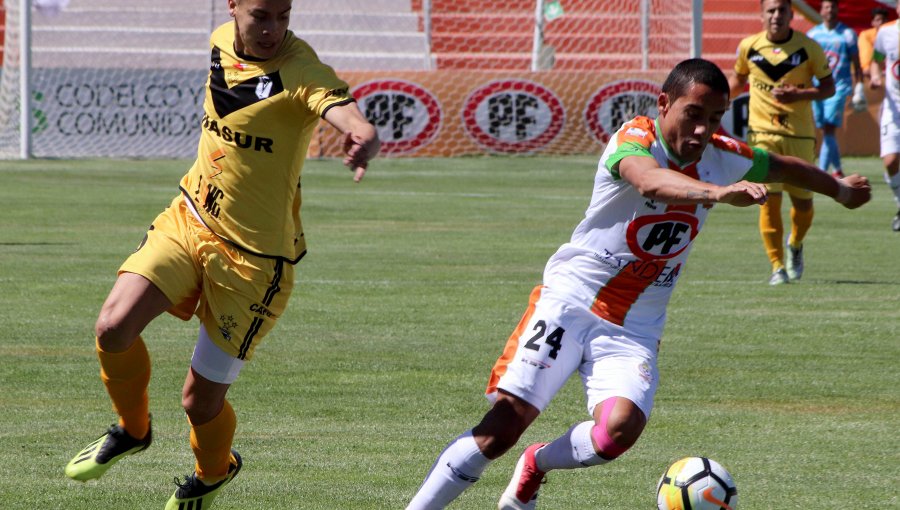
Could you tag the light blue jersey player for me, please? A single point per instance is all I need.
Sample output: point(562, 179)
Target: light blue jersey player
point(840, 44)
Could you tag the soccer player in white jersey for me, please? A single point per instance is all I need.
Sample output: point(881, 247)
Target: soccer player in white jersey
point(887, 54)
point(225, 248)
point(602, 305)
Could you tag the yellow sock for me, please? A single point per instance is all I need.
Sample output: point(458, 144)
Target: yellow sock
point(801, 221)
point(211, 443)
point(126, 376)
point(772, 230)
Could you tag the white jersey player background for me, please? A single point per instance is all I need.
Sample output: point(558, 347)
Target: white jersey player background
point(886, 55)
point(626, 255)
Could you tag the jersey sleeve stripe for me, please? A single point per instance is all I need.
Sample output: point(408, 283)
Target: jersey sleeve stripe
point(339, 103)
point(616, 298)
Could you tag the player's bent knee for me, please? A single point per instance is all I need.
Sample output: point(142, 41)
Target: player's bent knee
point(112, 334)
point(609, 448)
point(625, 423)
point(201, 410)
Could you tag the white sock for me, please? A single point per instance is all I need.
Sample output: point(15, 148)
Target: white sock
point(894, 182)
point(456, 469)
point(572, 450)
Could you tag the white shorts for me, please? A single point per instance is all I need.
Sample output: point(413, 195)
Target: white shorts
point(555, 338)
point(890, 135)
point(210, 361)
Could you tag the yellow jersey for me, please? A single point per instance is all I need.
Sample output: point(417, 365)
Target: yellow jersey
point(259, 116)
point(793, 62)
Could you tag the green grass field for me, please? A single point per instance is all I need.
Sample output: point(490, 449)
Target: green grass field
point(413, 281)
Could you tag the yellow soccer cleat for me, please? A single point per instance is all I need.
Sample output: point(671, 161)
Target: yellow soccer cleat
point(193, 494)
point(97, 457)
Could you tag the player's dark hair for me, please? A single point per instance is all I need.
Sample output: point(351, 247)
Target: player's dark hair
point(880, 10)
point(694, 70)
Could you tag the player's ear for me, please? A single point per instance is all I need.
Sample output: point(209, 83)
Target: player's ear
point(663, 103)
point(232, 4)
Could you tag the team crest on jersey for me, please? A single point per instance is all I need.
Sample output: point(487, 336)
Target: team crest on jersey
point(661, 236)
point(637, 132)
point(264, 87)
point(231, 97)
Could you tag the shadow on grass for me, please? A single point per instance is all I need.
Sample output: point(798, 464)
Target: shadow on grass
point(36, 244)
point(855, 282)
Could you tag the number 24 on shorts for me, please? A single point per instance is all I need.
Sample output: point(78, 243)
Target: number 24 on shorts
point(554, 339)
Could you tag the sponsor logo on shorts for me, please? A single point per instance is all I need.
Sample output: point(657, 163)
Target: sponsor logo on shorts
point(536, 363)
point(227, 325)
point(645, 372)
point(261, 310)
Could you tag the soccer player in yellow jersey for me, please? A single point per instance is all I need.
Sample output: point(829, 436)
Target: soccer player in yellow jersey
point(225, 247)
point(780, 64)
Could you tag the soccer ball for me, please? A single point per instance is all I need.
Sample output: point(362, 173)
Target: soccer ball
point(696, 483)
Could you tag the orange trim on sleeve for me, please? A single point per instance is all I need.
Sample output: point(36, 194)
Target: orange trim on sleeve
point(509, 351)
point(639, 130)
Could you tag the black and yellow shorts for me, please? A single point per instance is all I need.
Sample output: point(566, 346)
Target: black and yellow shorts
point(803, 148)
point(238, 296)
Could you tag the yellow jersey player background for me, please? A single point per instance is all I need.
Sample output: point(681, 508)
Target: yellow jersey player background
point(780, 64)
point(225, 247)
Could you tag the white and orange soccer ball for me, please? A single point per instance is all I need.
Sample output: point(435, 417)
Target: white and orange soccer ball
point(696, 483)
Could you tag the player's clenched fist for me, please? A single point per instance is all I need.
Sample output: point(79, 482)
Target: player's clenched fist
point(855, 191)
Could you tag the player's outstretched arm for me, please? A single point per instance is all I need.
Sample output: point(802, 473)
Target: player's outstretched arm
point(851, 191)
point(671, 187)
point(361, 142)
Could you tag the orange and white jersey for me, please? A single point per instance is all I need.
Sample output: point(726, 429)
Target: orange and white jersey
point(626, 255)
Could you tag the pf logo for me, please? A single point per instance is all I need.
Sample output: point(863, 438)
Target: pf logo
point(513, 116)
point(617, 103)
point(661, 236)
point(406, 115)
